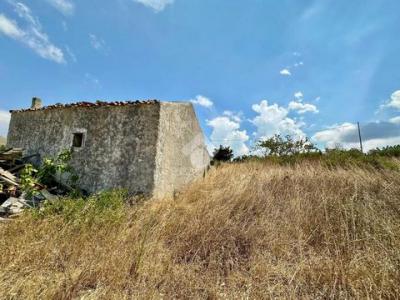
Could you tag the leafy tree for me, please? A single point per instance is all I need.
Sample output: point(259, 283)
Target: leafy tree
point(281, 146)
point(223, 154)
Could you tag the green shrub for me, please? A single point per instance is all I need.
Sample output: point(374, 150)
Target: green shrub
point(102, 207)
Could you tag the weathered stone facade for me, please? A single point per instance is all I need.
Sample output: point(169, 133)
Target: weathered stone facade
point(146, 147)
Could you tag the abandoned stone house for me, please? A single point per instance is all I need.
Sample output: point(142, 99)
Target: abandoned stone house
point(148, 147)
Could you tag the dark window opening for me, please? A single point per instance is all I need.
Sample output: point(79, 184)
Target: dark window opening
point(77, 141)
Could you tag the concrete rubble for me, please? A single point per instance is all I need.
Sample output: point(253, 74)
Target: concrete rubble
point(12, 199)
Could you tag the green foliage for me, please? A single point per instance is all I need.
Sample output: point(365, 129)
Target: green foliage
point(2, 148)
point(392, 151)
point(103, 207)
point(282, 146)
point(52, 172)
point(55, 168)
point(223, 154)
point(286, 150)
point(28, 180)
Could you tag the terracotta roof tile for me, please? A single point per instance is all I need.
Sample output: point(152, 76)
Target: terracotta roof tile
point(88, 104)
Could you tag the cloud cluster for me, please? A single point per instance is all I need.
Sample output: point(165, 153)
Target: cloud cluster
point(374, 134)
point(202, 101)
point(273, 119)
point(302, 108)
point(393, 102)
point(156, 5)
point(226, 131)
point(31, 34)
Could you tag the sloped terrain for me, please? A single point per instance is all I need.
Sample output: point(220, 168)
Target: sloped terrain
point(249, 230)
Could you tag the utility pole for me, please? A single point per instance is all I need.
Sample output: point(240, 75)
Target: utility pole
point(359, 136)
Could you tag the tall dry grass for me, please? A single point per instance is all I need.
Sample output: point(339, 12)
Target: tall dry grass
point(246, 231)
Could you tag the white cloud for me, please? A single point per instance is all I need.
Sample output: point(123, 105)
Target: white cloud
point(156, 5)
point(227, 132)
point(302, 108)
point(4, 121)
point(202, 101)
point(395, 120)
point(10, 28)
point(237, 117)
point(298, 95)
point(285, 72)
point(66, 7)
point(31, 35)
point(393, 102)
point(273, 119)
point(96, 42)
point(373, 134)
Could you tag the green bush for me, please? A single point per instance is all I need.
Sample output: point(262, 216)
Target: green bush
point(392, 151)
point(102, 207)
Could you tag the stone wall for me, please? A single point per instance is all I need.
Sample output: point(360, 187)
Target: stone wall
point(181, 152)
point(151, 148)
point(119, 144)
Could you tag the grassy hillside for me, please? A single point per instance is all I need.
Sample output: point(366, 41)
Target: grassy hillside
point(250, 230)
point(3, 140)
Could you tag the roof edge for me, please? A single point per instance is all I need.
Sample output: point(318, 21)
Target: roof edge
point(98, 103)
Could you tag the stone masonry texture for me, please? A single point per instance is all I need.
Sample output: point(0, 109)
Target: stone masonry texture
point(152, 147)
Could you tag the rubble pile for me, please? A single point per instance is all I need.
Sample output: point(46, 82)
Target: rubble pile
point(12, 199)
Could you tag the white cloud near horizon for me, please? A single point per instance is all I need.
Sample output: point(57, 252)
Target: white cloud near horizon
point(202, 101)
point(285, 72)
point(226, 132)
point(393, 102)
point(395, 120)
point(373, 134)
point(5, 117)
point(273, 119)
point(156, 5)
point(66, 7)
point(31, 35)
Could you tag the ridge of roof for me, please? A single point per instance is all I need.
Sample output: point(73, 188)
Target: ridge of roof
point(98, 103)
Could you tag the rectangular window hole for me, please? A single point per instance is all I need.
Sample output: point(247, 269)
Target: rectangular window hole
point(77, 140)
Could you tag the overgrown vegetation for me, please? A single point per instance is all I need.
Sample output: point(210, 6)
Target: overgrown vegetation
point(253, 230)
point(286, 150)
point(222, 154)
point(52, 172)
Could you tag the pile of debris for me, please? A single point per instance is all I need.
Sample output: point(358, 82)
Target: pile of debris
point(12, 199)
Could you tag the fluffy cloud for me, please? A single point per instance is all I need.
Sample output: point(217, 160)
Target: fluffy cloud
point(374, 134)
point(237, 117)
point(302, 108)
point(227, 132)
point(298, 95)
point(202, 101)
point(31, 35)
point(394, 101)
point(4, 121)
point(66, 7)
point(156, 5)
point(273, 119)
point(395, 120)
point(285, 72)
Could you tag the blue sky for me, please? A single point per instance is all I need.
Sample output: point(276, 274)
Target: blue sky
point(252, 68)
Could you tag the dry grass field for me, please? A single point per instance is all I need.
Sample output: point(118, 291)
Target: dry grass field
point(247, 231)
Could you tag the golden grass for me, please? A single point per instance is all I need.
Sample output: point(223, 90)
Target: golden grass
point(246, 231)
